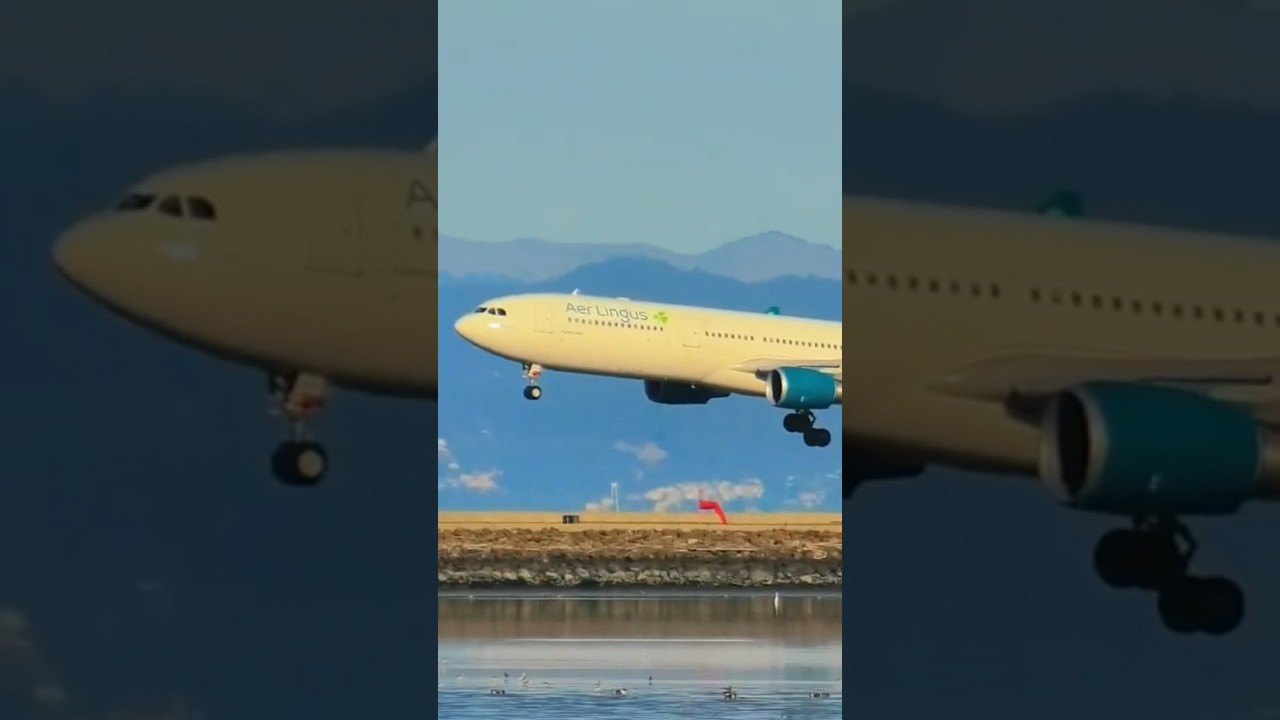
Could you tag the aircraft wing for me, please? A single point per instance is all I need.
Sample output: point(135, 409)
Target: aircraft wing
point(1251, 381)
point(760, 367)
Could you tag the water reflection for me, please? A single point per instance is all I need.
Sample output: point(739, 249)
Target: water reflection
point(554, 656)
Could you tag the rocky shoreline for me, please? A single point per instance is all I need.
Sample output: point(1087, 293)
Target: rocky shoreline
point(629, 558)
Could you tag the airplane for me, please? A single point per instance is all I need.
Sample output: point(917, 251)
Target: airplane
point(316, 266)
point(1133, 370)
point(685, 355)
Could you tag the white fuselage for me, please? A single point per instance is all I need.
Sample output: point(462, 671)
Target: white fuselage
point(954, 304)
point(647, 340)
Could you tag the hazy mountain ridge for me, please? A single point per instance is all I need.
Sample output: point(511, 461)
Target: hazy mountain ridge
point(511, 449)
point(750, 259)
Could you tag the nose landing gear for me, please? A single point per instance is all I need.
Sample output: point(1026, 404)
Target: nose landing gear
point(532, 371)
point(298, 398)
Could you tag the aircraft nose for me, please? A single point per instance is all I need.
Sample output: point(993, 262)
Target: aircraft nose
point(73, 255)
point(93, 258)
point(465, 326)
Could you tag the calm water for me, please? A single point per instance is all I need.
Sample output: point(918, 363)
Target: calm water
point(692, 646)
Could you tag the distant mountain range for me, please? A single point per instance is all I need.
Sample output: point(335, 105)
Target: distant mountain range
point(499, 450)
point(751, 259)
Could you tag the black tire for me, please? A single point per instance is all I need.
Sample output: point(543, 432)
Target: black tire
point(1131, 558)
point(1114, 558)
point(1221, 604)
point(1178, 606)
point(301, 464)
point(819, 437)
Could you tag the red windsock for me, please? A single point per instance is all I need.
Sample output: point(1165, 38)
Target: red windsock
point(713, 505)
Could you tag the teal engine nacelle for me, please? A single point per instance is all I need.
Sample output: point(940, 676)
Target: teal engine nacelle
point(801, 389)
point(1137, 449)
point(669, 393)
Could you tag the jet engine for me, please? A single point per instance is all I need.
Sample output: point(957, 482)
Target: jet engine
point(1137, 449)
point(669, 393)
point(801, 389)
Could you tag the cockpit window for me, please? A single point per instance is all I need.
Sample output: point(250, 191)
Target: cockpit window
point(134, 202)
point(201, 209)
point(480, 310)
point(171, 205)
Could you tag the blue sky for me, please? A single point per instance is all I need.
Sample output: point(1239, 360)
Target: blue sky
point(682, 124)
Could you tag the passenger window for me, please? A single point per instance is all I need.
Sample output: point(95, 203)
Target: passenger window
point(201, 209)
point(171, 206)
point(134, 202)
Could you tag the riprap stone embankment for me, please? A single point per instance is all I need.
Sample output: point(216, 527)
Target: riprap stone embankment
point(715, 556)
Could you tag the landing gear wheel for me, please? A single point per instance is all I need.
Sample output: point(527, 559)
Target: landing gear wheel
point(817, 437)
point(802, 422)
point(1135, 558)
point(1150, 557)
point(1214, 605)
point(532, 392)
point(299, 463)
point(798, 422)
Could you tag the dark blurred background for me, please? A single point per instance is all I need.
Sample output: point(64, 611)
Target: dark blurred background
point(150, 567)
point(975, 597)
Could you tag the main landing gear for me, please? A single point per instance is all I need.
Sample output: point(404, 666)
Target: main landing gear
point(532, 371)
point(801, 421)
point(1148, 557)
point(298, 397)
